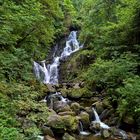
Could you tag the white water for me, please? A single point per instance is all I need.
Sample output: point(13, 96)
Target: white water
point(97, 119)
point(64, 100)
point(81, 129)
point(49, 73)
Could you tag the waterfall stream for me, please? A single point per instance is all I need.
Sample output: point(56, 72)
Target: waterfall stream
point(81, 129)
point(49, 74)
point(97, 119)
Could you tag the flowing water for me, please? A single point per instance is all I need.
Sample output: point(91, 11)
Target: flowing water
point(49, 74)
point(97, 119)
point(81, 130)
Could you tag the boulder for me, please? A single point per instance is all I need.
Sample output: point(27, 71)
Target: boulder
point(119, 133)
point(71, 122)
point(47, 131)
point(95, 126)
point(75, 107)
point(105, 133)
point(68, 137)
point(84, 118)
point(66, 122)
point(51, 88)
point(90, 112)
point(60, 106)
point(55, 121)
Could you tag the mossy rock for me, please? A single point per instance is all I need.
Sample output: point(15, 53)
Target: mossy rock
point(68, 137)
point(75, 65)
point(66, 123)
point(77, 93)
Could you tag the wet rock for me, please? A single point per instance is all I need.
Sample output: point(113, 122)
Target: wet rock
point(84, 118)
point(68, 137)
point(95, 126)
point(119, 133)
point(60, 106)
point(90, 112)
point(47, 137)
point(105, 133)
point(106, 113)
point(47, 131)
point(75, 107)
point(51, 88)
point(98, 106)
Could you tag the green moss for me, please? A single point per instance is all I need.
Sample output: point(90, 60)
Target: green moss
point(76, 93)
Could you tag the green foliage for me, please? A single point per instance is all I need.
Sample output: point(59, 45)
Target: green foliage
point(130, 101)
point(111, 30)
point(21, 112)
point(111, 73)
point(15, 65)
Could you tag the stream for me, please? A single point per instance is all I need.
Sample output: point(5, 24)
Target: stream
point(48, 73)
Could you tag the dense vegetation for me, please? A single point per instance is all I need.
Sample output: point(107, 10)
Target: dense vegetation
point(110, 30)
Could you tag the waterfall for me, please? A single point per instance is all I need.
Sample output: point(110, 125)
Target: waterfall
point(96, 116)
point(97, 119)
point(81, 129)
point(50, 99)
point(49, 73)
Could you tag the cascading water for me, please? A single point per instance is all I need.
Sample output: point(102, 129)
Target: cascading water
point(81, 129)
point(97, 119)
point(49, 74)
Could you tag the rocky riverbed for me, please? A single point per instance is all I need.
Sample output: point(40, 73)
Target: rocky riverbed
point(80, 118)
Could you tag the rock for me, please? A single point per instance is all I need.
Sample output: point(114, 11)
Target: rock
point(66, 122)
point(99, 107)
point(95, 126)
point(60, 106)
point(68, 137)
point(84, 118)
point(66, 113)
point(71, 122)
point(119, 133)
point(47, 137)
point(113, 121)
point(105, 133)
point(51, 88)
point(106, 113)
point(90, 112)
point(128, 120)
point(55, 121)
point(75, 107)
point(47, 131)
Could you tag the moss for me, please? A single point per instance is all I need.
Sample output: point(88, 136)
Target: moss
point(76, 93)
point(75, 65)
